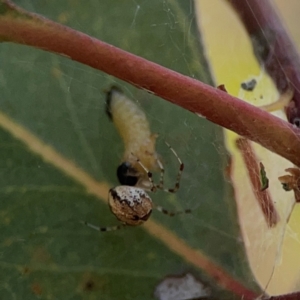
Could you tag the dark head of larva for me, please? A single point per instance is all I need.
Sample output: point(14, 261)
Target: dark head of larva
point(127, 175)
point(109, 95)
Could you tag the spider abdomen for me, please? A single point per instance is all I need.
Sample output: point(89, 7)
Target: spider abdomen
point(130, 205)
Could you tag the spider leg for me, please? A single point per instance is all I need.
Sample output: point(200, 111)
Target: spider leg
point(160, 185)
point(178, 177)
point(171, 213)
point(153, 187)
point(104, 229)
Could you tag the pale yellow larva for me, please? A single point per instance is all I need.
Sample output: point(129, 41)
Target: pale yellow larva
point(139, 142)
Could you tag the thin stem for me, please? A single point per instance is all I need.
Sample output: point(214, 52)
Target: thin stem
point(273, 47)
point(262, 197)
point(292, 296)
point(19, 26)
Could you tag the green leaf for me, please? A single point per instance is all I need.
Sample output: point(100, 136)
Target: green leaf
point(45, 251)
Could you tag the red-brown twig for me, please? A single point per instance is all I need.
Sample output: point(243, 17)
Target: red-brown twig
point(292, 296)
point(17, 25)
point(273, 48)
point(263, 197)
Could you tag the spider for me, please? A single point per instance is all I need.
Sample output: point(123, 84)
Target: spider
point(132, 205)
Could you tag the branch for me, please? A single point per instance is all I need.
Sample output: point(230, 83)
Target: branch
point(19, 26)
point(262, 197)
point(292, 296)
point(273, 48)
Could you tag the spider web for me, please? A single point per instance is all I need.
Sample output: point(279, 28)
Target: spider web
point(62, 103)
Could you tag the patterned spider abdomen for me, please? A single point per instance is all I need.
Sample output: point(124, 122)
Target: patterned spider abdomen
point(134, 129)
point(130, 205)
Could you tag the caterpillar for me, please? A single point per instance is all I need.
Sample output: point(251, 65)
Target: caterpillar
point(139, 143)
